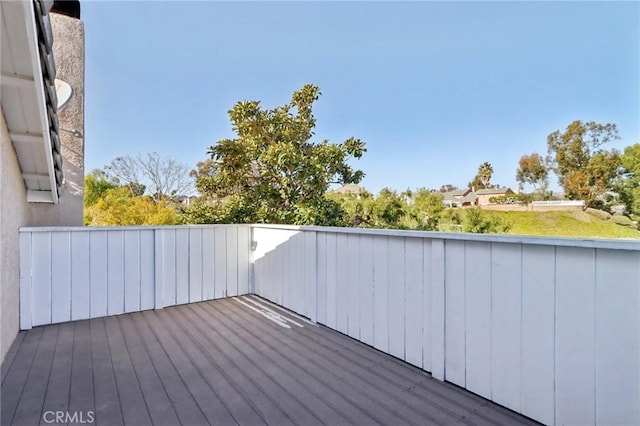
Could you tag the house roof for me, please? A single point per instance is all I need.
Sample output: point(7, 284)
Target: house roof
point(454, 195)
point(349, 188)
point(29, 100)
point(492, 191)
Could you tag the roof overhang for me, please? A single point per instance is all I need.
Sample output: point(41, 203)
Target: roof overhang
point(28, 96)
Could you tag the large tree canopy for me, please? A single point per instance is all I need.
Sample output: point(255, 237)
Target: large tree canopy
point(584, 169)
point(272, 172)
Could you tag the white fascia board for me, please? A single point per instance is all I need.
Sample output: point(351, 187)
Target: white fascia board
point(34, 54)
point(34, 196)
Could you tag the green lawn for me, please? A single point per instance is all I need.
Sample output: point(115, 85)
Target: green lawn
point(564, 224)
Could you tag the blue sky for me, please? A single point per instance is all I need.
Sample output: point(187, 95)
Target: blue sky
point(433, 88)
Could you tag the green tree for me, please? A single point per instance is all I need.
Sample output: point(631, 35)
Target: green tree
point(482, 178)
point(628, 184)
point(476, 221)
point(117, 207)
point(96, 184)
point(584, 169)
point(272, 172)
point(388, 209)
point(425, 211)
point(532, 171)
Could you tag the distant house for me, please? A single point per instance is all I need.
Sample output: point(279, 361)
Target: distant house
point(351, 189)
point(484, 195)
point(459, 198)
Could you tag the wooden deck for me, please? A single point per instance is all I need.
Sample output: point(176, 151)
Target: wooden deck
point(231, 361)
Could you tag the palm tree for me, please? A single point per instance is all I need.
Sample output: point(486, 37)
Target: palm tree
point(485, 171)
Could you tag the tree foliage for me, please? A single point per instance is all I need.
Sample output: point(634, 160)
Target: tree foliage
point(482, 179)
point(532, 170)
point(628, 184)
point(272, 172)
point(476, 221)
point(118, 207)
point(584, 169)
point(96, 184)
point(160, 177)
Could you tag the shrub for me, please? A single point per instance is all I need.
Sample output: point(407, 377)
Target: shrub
point(479, 223)
point(600, 214)
point(623, 220)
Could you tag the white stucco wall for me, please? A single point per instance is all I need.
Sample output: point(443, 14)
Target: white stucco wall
point(13, 215)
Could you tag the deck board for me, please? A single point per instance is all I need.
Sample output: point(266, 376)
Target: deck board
point(221, 362)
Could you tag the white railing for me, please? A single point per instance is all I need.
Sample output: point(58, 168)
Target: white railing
point(78, 273)
point(549, 328)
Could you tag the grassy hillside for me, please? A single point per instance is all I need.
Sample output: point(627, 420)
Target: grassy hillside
point(564, 224)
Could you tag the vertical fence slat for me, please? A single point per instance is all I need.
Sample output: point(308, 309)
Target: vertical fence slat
point(455, 312)
point(169, 266)
point(575, 340)
point(478, 317)
point(538, 332)
point(220, 259)
point(506, 325)
point(60, 276)
point(98, 273)
point(396, 296)
point(182, 266)
point(208, 263)
point(617, 326)
point(41, 278)
point(244, 246)
point(342, 263)
point(115, 272)
point(352, 290)
point(427, 303)
point(195, 265)
point(311, 275)
point(381, 293)
point(232, 261)
point(414, 310)
point(80, 275)
point(132, 271)
point(332, 281)
point(147, 269)
point(366, 289)
point(26, 265)
point(321, 289)
point(158, 240)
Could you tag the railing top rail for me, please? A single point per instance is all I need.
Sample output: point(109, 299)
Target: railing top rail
point(600, 243)
point(123, 228)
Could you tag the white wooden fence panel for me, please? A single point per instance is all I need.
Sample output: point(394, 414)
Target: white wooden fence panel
point(617, 326)
point(41, 294)
point(232, 261)
point(132, 271)
point(310, 275)
point(26, 266)
point(365, 288)
point(169, 281)
point(436, 359)
point(60, 277)
point(98, 273)
point(220, 268)
point(196, 260)
point(115, 272)
point(182, 266)
point(395, 296)
point(342, 264)
point(413, 309)
point(381, 293)
point(80, 275)
point(478, 317)
point(455, 312)
point(332, 281)
point(353, 285)
point(506, 365)
point(575, 339)
point(208, 263)
point(244, 245)
point(321, 292)
point(147, 269)
point(427, 289)
point(538, 332)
